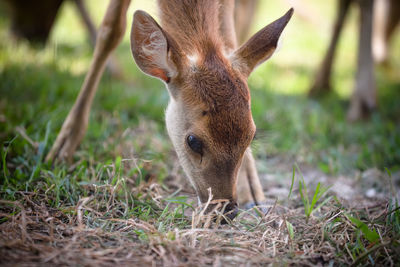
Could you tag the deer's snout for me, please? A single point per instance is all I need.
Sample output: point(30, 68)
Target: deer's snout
point(231, 210)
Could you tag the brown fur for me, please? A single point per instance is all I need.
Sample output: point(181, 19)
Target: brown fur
point(226, 128)
point(192, 23)
point(226, 99)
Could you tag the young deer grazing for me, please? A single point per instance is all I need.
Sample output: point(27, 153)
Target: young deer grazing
point(209, 120)
point(208, 117)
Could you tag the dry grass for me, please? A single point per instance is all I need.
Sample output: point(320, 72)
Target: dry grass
point(93, 233)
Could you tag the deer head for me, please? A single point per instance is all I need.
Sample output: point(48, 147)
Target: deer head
point(208, 117)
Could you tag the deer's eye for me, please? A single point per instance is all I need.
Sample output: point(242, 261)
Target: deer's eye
point(195, 144)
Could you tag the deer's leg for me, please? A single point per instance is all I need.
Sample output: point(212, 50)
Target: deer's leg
point(393, 19)
point(323, 76)
point(249, 189)
point(110, 34)
point(379, 47)
point(112, 64)
point(386, 19)
point(363, 100)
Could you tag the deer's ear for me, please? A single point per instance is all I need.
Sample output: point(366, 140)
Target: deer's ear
point(260, 46)
point(151, 47)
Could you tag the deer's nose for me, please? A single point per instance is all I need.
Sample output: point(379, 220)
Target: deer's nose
point(231, 210)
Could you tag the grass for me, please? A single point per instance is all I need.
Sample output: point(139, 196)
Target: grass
point(125, 200)
point(309, 206)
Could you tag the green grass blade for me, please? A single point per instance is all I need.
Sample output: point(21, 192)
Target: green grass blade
point(3, 158)
point(315, 197)
point(41, 150)
point(290, 229)
point(291, 185)
point(118, 170)
point(371, 235)
point(323, 203)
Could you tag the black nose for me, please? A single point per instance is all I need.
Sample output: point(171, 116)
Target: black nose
point(231, 210)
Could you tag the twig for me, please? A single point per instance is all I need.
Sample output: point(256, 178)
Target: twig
point(22, 132)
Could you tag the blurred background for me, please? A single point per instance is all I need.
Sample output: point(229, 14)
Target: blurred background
point(38, 85)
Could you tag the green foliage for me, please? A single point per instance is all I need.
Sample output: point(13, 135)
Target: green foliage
point(393, 217)
point(371, 235)
point(319, 192)
point(292, 183)
point(4, 151)
point(318, 133)
point(290, 229)
point(309, 206)
point(175, 217)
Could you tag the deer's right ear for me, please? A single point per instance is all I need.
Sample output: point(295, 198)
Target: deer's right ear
point(152, 47)
point(259, 47)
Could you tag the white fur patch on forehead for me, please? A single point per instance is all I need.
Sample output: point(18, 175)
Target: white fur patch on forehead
point(193, 59)
point(227, 54)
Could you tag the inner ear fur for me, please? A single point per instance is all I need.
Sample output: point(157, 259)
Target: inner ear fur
point(260, 46)
point(154, 51)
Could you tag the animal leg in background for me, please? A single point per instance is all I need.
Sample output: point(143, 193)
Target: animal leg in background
point(364, 100)
point(109, 36)
point(386, 19)
point(112, 64)
point(323, 77)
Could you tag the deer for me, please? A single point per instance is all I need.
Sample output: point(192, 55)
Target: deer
point(194, 52)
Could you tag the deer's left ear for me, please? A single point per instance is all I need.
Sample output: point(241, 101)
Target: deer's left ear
point(260, 46)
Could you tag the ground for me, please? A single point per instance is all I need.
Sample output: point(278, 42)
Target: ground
point(332, 186)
